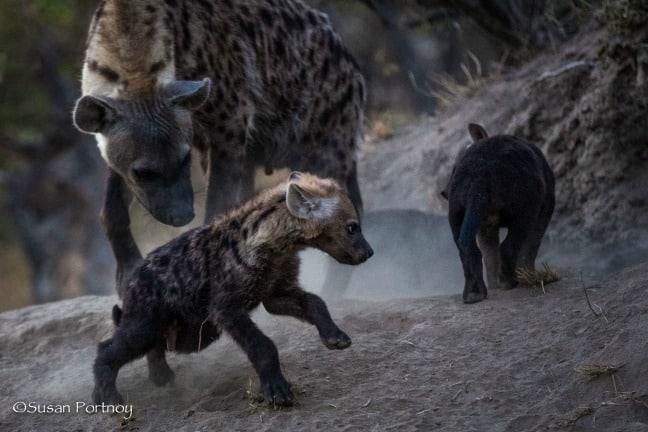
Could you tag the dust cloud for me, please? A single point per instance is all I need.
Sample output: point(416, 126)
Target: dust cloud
point(414, 256)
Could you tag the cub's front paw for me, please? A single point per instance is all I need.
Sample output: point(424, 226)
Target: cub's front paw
point(108, 396)
point(276, 391)
point(337, 340)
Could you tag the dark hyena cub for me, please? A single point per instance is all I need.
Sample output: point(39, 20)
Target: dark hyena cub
point(502, 181)
point(207, 280)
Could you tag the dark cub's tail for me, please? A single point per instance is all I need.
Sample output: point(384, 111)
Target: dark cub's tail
point(473, 216)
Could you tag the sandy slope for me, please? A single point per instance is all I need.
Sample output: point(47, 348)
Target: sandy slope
point(509, 363)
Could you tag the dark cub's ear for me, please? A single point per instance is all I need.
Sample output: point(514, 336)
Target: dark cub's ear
point(189, 94)
point(477, 132)
point(93, 114)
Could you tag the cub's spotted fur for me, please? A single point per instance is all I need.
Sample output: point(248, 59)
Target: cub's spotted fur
point(209, 279)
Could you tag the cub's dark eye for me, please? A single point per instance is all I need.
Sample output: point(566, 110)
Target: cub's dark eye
point(353, 228)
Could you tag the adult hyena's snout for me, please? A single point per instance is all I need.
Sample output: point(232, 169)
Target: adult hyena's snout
point(171, 204)
point(176, 216)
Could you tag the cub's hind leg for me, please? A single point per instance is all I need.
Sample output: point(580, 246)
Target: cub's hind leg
point(132, 339)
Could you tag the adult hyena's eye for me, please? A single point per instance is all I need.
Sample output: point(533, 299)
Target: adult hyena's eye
point(144, 174)
point(353, 228)
point(186, 161)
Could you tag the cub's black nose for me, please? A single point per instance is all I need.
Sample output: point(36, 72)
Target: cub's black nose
point(370, 253)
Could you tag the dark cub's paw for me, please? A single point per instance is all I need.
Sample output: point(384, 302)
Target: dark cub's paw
point(474, 297)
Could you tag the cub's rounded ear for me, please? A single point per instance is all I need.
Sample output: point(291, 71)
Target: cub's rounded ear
point(189, 94)
point(93, 114)
point(299, 203)
point(477, 132)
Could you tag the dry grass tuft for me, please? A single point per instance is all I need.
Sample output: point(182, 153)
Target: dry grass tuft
point(572, 417)
point(533, 278)
point(594, 371)
point(386, 124)
point(253, 395)
point(449, 91)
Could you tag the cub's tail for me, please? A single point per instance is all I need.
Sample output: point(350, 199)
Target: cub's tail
point(116, 314)
point(473, 217)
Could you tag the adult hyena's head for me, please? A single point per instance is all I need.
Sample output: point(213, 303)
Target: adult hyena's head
point(330, 220)
point(147, 140)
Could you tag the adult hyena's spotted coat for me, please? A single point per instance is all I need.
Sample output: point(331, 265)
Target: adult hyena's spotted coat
point(248, 83)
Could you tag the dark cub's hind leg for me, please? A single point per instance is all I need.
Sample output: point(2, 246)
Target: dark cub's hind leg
point(488, 238)
point(130, 341)
point(511, 248)
point(530, 248)
point(471, 261)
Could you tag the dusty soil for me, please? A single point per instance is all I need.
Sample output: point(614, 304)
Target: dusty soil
point(510, 363)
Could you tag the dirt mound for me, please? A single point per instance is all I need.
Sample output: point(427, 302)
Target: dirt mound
point(514, 362)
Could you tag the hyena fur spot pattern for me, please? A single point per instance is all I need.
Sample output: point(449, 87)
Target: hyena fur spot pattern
point(255, 83)
point(500, 181)
point(208, 280)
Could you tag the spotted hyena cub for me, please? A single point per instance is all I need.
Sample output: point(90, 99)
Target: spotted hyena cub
point(255, 83)
point(209, 279)
point(501, 181)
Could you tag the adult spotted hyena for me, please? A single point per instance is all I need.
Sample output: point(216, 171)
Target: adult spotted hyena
point(208, 280)
point(501, 181)
point(247, 83)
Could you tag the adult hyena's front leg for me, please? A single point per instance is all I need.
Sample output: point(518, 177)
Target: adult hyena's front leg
point(308, 307)
point(230, 181)
point(116, 223)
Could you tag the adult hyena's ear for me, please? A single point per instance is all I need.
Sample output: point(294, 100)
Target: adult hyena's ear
point(295, 176)
point(189, 94)
point(477, 132)
point(94, 114)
